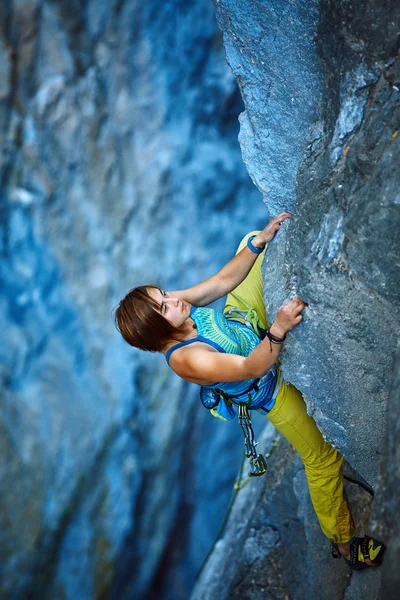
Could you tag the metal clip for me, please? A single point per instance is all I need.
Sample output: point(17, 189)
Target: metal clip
point(258, 464)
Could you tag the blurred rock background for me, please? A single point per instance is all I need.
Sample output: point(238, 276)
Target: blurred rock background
point(119, 166)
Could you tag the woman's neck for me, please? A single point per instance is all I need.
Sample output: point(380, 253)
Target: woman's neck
point(187, 331)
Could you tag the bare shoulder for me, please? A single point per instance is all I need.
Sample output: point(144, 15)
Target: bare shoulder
point(190, 362)
point(202, 364)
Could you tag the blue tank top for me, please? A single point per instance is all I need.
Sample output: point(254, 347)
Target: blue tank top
point(231, 336)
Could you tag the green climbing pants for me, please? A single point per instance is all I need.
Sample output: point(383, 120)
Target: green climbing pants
point(322, 463)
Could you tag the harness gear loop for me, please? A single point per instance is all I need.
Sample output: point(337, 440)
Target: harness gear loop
point(249, 317)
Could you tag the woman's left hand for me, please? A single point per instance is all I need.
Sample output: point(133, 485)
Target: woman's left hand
point(273, 226)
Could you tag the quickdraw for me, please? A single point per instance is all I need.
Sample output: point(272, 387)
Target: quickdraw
point(258, 464)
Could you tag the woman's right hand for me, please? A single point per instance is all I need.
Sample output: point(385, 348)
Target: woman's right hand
point(288, 316)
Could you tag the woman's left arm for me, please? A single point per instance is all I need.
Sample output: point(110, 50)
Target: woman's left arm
point(234, 272)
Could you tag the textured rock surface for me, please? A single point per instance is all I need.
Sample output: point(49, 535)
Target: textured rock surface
point(349, 275)
point(119, 166)
point(386, 508)
point(271, 49)
point(339, 253)
point(344, 238)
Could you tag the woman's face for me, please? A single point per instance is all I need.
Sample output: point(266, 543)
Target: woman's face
point(176, 311)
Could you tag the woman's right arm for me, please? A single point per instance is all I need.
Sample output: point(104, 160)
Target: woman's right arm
point(234, 272)
point(203, 366)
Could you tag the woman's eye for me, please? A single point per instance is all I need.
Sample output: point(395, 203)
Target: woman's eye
point(164, 306)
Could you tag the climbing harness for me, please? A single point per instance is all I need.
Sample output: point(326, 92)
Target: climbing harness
point(215, 397)
point(247, 317)
point(212, 397)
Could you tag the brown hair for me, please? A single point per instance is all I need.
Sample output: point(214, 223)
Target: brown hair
point(139, 322)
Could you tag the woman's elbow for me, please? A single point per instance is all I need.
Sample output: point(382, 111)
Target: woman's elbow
point(254, 371)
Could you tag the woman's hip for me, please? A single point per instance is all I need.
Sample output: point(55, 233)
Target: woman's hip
point(289, 416)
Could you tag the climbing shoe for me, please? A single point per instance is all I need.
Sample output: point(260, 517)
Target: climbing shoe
point(360, 550)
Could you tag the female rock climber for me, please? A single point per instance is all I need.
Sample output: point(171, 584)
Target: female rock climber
point(218, 350)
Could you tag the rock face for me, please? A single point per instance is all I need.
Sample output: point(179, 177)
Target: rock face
point(271, 50)
point(321, 82)
point(340, 253)
point(347, 216)
point(386, 508)
point(120, 166)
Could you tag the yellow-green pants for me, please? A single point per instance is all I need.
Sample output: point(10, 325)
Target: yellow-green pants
point(323, 464)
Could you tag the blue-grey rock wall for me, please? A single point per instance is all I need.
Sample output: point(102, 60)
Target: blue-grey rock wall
point(271, 49)
point(342, 255)
point(386, 507)
point(339, 253)
point(119, 166)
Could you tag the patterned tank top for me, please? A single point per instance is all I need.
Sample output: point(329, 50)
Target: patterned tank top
point(231, 336)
